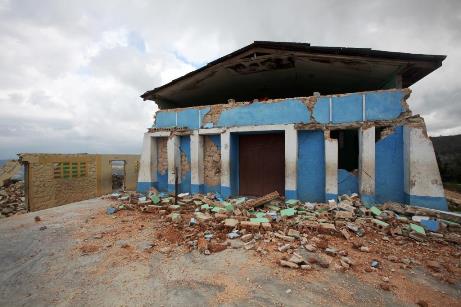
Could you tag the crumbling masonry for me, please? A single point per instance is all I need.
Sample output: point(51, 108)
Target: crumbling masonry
point(365, 142)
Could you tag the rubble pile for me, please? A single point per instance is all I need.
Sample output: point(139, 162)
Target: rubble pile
point(306, 236)
point(12, 200)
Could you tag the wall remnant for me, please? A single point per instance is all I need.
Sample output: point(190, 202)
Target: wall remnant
point(57, 179)
point(211, 161)
point(162, 155)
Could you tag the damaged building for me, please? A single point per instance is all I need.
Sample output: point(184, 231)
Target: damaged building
point(309, 122)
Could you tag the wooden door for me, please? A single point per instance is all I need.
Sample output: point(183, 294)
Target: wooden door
point(261, 164)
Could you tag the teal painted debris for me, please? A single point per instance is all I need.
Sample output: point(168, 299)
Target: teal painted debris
point(229, 207)
point(288, 212)
point(273, 208)
point(155, 199)
point(217, 209)
point(375, 211)
point(259, 220)
point(260, 214)
point(205, 207)
point(240, 200)
point(418, 229)
point(292, 202)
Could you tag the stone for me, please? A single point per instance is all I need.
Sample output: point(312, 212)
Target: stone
point(250, 245)
point(283, 237)
point(306, 267)
point(165, 250)
point(202, 217)
point(266, 226)
point(392, 258)
point(288, 264)
point(250, 225)
point(344, 215)
point(175, 217)
point(293, 233)
point(310, 247)
point(247, 237)
point(42, 228)
point(348, 260)
point(216, 247)
point(422, 303)
point(364, 249)
point(323, 262)
point(345, 233)
point(296, 258)
point(284, 248)
point(331, 251)
point(231, 223)
point(327, 228)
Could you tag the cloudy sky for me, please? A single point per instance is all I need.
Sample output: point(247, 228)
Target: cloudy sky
point(71, 72)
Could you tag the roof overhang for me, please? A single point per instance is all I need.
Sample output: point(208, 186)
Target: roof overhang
point(279, 70)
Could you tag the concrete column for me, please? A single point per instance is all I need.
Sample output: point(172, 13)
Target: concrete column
point(367, 164)
point(291, 159)
point(225, 164)
point(331, 167)
point(423, 184)
point(147, 175)
point(196, 155)
point(174, 161)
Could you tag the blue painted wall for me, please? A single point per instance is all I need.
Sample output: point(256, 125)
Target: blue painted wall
point(383, 105)
point(389, 180)
point(346, 108)
point(311, 166)
point(347, 182)
point(162, 182)
point(234, 163)
point(184, 148)
point(187, 118)
point(283, 112)
point(321, 111)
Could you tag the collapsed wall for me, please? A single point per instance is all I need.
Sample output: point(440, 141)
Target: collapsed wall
point(56, 179)
point(367, 143)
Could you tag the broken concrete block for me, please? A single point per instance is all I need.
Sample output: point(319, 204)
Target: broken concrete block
point(250, 225)
point(284, 248)
point(202, 217)
point(327, 228)
point(283, 237)
point(375, 211)
point(310, 248)
point(293, 233)
point(296, 258)
point(261, 200)
point(266, 226)
point(288, 212)
point(175, 217)
point(247, 237)
point(231, 223)
point(344, 215)
point(288, 264)
point(380, 224)
point(418, 229)
point(259, 220)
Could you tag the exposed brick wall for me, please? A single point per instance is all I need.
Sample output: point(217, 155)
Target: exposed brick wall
point(211, 162)
point(162, 155)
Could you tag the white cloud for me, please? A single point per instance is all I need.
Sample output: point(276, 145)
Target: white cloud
point(71, 72)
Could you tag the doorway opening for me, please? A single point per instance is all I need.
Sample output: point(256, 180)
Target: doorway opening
point(118, 175)
point(348, 149)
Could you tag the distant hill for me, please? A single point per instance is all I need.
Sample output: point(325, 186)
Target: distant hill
point(448, 153)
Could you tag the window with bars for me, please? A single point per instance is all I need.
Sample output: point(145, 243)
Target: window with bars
point(69, 170)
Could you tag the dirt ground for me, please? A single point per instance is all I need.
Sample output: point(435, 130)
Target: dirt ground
point(86, 257)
